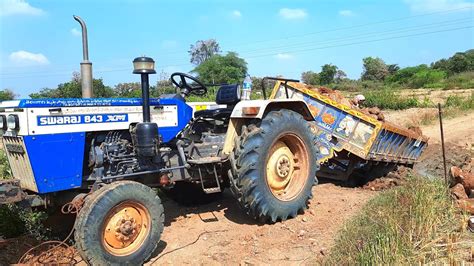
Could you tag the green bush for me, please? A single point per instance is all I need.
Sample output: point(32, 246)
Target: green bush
point(427, 76)
point(404, 226)
point(388, 99)
point(5, 171)
point(460, 81)
point(16, 221)
point(457, 101)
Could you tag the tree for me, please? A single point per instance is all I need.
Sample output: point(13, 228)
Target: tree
point(163, 86)
point(392, 69)
point(203, 50)
point(328, 71)
point(340, 76)
point(404, 75)
point(73, 89)
point(310, 78)
point(459, 62)
point(127, 90)
point(375, 69)
point(220, 69)
point(7, 94)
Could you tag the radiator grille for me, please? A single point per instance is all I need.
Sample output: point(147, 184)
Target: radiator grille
point(20, 163)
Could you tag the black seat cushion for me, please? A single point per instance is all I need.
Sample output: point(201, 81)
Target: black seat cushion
point(227, 94)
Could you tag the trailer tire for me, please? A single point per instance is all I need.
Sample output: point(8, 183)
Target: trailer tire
point(279, 187)
point(120, 223)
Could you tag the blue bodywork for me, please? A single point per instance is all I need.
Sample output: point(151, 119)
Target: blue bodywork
point(57, 159)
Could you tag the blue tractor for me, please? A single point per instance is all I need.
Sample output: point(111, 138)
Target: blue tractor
point(106, 155)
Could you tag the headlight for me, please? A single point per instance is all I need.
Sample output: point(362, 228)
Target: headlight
point(13, 122)
point(3, 122)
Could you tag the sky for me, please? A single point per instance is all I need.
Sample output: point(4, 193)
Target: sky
point(40, 42)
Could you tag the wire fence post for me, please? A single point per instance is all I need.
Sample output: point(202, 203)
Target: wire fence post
point(440, 113)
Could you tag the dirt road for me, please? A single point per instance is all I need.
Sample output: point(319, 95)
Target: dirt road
point(234, 238)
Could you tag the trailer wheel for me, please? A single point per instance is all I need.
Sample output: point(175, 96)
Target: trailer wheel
point(120, 223)
point(273, 166)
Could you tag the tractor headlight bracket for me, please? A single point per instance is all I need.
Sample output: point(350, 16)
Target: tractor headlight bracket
point(13, 122)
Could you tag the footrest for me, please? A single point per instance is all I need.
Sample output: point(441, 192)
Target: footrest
point(10, 191)
point(212, 190)
point(205, 160)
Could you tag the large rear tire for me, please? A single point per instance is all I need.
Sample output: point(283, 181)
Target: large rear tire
point(120, 223)
point(273, 166)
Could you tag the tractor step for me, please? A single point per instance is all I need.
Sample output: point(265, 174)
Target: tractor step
point(212, 190)
point(205, 160)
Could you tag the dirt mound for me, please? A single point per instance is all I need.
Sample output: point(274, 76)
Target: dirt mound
point(392, 179)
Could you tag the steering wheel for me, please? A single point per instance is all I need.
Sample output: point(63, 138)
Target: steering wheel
point(188, 84)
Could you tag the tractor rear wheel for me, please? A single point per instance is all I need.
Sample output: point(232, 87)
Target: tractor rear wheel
point(120, 223)
point(273, 166)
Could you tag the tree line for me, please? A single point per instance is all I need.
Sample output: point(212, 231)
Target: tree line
point(213, 67)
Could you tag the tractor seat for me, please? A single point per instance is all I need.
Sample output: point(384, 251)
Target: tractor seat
point(227, 94)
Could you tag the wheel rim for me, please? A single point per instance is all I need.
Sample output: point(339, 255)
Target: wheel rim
point(287, 167)
point(125, 228)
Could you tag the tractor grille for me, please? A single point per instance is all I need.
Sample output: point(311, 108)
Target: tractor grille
point(19, 162)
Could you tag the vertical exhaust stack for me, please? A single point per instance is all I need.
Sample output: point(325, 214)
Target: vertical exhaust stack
point(86, 65)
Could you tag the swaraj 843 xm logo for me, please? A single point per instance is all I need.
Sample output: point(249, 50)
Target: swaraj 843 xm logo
point(54, 120)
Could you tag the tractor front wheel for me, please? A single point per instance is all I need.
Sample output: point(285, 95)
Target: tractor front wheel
point(273, 166)
point(120, 223)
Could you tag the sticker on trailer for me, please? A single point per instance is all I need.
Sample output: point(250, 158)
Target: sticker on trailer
point(55, 120)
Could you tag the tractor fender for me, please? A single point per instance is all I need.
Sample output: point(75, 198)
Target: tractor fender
point(238, 117)
point(264, 106)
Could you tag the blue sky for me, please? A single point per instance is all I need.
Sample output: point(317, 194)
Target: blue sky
point(41, 45)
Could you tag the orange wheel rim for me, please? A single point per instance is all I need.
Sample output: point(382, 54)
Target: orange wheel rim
point(287, 167)
point(125, 228)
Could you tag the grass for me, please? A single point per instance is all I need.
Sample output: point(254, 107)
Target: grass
point(454, 106)
point(412, 224)
point(390, 99)
point(5, 171)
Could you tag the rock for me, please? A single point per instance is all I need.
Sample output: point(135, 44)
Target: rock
point(301, 233)
point(470, 224)
point(311, 212)
point(323, 251)
point(463, 177)
point(466, 205)
point(304, 219)
point(458, 192)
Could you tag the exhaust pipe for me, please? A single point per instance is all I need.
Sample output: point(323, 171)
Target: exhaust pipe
point(86, 65)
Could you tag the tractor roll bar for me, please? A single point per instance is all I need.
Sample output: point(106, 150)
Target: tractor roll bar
point(277, 79)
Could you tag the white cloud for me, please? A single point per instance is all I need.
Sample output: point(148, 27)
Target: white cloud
point(236, 14)
point(288, 13)
point(18, 7)
point(76, 32)
point(27, 58)
point(284, 56)
point(346, 13)
point(438, 5)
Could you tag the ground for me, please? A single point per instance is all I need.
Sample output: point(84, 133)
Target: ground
point(234, 238)
point(220, 232)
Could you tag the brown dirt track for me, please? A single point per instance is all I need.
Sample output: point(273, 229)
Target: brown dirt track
point(220, 233)
point(304, 240)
